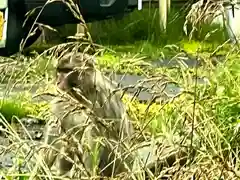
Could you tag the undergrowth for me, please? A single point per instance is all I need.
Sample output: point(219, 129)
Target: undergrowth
point(21, 106)
point(202, 117)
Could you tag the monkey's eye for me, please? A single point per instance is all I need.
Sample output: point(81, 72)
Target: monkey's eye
point(64, 70)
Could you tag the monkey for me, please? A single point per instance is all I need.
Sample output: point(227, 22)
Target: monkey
point(79, 80)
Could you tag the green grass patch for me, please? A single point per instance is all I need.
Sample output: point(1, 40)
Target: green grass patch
point(216, 112)
point(21, 106)
point(144, 26)
point(137, 26)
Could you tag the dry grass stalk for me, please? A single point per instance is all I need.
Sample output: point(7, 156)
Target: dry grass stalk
point(203, 12)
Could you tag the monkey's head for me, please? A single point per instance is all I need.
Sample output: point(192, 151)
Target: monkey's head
point(75, 71)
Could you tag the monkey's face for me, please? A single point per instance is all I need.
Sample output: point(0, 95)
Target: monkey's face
point(66, 79)
point(73, 72)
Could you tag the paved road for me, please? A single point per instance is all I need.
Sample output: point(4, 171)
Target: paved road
point(122, 80)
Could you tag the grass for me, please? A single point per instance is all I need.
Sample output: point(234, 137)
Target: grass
point(144, 26)
point(202, 117)
point(138, 26)
point(20, 106)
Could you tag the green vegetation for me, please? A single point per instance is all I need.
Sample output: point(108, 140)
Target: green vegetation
point(144, 26)
point(20, 106)
point(204, 117)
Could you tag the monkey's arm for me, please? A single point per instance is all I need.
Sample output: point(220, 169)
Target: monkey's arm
point(52, 132)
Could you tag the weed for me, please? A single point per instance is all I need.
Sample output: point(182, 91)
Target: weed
point(202, 117)
point(20, 106)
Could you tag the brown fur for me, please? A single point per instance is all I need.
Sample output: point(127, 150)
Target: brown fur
point(86, 86)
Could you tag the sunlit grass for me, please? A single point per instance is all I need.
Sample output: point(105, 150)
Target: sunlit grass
point(20, 106)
